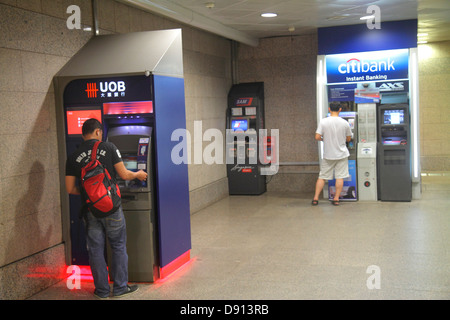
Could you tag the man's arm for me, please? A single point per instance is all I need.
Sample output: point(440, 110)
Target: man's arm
point(71, 186)
point(126, 174)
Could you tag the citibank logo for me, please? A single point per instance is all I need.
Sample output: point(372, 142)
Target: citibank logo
point(108, 89)
point(360, 66)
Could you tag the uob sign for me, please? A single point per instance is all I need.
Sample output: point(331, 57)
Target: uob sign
point(107, 89)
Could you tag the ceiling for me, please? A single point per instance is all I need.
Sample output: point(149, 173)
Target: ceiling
point(296, 17)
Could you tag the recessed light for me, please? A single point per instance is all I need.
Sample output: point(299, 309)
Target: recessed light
point(422, 34)
point(269, 15)
point(422, 42)
point(367, 17)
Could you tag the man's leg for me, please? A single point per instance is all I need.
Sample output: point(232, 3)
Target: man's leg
point(326, 173)
point(339, 186)
point(341, 172)
point(95, 241)
point(319, 187)
point(117, 236)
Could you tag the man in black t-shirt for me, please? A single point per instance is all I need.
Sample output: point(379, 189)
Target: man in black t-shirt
point(112, 226)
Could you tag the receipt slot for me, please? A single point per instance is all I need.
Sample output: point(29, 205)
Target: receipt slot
point(367, 171)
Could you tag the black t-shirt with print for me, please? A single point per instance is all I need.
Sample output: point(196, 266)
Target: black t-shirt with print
point(107, 154)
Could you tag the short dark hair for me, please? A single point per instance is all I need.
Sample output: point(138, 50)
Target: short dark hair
point(90, 126)
point(335, 106)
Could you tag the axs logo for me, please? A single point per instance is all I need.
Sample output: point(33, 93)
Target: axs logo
point(392, 86)
point(108, 89)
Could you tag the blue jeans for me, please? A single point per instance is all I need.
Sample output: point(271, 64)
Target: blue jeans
point(114, 228)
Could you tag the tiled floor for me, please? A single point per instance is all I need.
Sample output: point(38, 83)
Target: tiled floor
point(280, 247)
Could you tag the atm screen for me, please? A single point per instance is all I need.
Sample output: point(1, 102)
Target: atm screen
point(130, 162)
point(76, 119)
point(394, 116)
point(239, 125)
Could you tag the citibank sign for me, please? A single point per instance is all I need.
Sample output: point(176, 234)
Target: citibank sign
point(367, 66)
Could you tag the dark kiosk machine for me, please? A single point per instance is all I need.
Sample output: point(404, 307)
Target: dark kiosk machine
point(135, 145)
point(245, 117)
point(394, 162)
point(133, 83)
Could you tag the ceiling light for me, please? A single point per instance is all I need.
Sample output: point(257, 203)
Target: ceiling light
point(269, 15)
point(422, 41)
point(367, 17)
point(422, 34)
point(210, 5)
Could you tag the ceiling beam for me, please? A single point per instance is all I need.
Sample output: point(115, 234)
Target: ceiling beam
point(186, 16)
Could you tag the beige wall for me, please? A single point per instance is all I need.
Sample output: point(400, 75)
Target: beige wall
point(34, 44)
point(287, 66)
point(434, 97)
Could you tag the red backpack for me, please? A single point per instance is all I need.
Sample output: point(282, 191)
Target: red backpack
point(101, 194)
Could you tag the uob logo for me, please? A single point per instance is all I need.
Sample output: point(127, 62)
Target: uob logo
point(92, 90)
point(112, 86)
point(107, 88)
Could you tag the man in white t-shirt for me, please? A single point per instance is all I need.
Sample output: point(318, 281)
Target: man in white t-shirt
point(334, 132)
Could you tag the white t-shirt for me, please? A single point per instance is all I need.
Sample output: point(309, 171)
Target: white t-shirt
point(334, 131)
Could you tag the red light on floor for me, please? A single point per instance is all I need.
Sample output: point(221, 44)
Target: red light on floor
point(85, 273)
point(175, 265)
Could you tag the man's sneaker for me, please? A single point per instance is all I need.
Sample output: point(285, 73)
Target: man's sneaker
point(99, 296)
point(130, 289)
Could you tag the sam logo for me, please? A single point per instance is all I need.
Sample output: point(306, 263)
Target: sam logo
point(392, 86)
point(244, 102)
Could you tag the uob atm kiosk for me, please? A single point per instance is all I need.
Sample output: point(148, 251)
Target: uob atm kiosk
point(133, 83)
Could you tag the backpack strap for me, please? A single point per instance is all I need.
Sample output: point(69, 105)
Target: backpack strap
point(94, 150)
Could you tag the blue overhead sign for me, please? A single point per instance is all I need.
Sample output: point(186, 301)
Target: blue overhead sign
point(357, 38)
point(367, 66)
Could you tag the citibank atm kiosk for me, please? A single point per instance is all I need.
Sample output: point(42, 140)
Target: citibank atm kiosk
point(245, 117)
point(394, 162)
point(133, 83)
